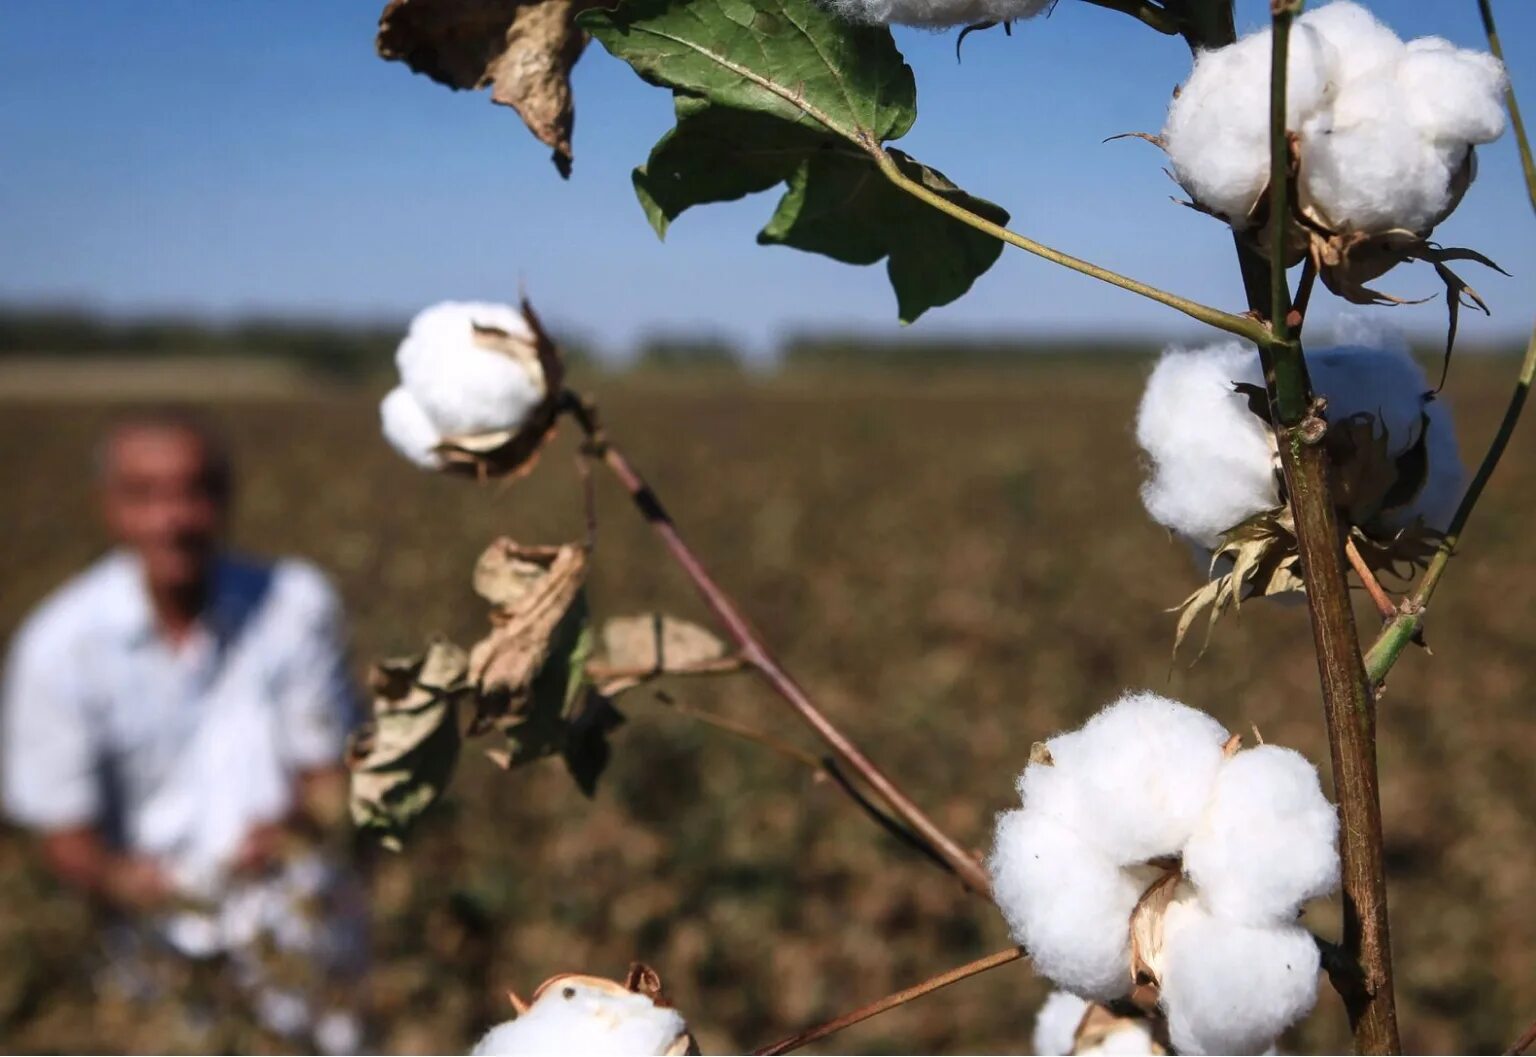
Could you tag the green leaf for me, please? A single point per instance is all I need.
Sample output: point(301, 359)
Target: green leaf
point(790, 59)
point(775, 92)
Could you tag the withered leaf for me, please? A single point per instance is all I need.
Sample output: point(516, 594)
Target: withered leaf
point(523, 50)
point(586, 743)
point(531, 591)
point(403, 758)
point(639, 647)
point(1264, 561)
point(540, 726)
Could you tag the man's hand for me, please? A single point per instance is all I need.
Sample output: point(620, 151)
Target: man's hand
point(82, 860)
point(261, 849)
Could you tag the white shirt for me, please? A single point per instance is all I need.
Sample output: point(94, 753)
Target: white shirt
point(106, 723)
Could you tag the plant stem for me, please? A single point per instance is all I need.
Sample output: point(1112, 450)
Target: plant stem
point(1158, 18)
point(1349, 705)
point(1527, 161)
point(1379, 596)
point(1242, 326)
point(831, 1027)
point(1524, 1042)
point(757, 655)
point(1394, 638)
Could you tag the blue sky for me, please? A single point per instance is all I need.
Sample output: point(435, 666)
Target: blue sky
point(234, 158)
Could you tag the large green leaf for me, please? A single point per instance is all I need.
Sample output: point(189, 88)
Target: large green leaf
point(775, 92)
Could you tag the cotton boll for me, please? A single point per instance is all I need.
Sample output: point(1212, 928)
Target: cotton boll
point(1217, 132)
point(1452, 94)
point(464, 386)
point(1065, 902)
point(1267, 843)
point(1132, 1039)
point(580, 1017)
point(1363, 45)
point(1212, 459)
point(1233, 988)
point(1057, 1022)
point(408, 429)
point(937, 14)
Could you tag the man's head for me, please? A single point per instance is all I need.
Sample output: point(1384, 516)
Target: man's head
point(164, 495)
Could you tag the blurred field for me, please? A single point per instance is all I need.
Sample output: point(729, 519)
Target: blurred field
point(955, 569)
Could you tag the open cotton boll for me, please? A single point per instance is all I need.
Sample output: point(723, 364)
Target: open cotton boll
point(1212, 459)
point(1452, 94)
point(1217, 132)
point(1233, 989)
point(1056, 1024)
point(409, 430)
point(463, 384)
point(1267, 843)
point(1064, 901)
point(1363, 45)
point(1140, 772)
point(578, 1017)
point(936, 14)
point(1390, 385)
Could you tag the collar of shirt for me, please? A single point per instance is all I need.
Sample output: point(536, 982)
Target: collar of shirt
point(234, 595)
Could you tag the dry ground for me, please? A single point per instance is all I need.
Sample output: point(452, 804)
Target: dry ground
point(955, 570)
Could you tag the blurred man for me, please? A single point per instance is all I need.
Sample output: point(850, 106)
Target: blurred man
point(171, 716)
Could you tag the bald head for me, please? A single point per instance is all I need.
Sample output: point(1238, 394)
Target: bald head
point(164, 483)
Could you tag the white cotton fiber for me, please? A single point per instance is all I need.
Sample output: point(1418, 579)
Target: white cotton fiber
point(1268, 841)
point(1134, 780)
point(1057, 1022)
point(1132, 1039)
point(464, 386)
point(1065, 902)
point(1233, 989)
point(409, 430)
point(1384, 127)
point(1217, 133)
point(1389, 384)
point(937, 14)
point(1212, 459)
point(577, 1017)
point(1213, 464)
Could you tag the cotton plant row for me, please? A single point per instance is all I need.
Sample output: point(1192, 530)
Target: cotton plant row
point(1155, 860)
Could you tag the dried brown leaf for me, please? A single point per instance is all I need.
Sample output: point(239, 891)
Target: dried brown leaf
point(646, 645)
point(523, 50)
point(531, 590)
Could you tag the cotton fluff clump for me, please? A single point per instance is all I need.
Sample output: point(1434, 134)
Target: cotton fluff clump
point(467, 369)
point(1386, 128)
point(1151, 790)
point(938, 14)
point(588, 1016)
point(1213, 462)
point(1060, 1018)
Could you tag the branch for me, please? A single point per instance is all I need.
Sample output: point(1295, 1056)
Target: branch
point(757, 655)
point(1349, 705)
point(1158, 18)
point(823, 766)
point(1524, 1042)
point(1242, 326)
point(831, 1027)
point(1396, 636)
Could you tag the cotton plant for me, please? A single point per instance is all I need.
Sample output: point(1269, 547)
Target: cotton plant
point(1156, 870)
point(478, 386)
point(573, 1013)
point(1214, 468)
point(1384, 138)
point(1154, 860)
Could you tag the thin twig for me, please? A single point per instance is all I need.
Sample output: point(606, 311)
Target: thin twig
point(1527, 159)
point(1242, 326)
point(1384, 604)
point(1349, 705)
point(823, 766)
point(1396, 636)
point(1524, 1042)
point(832, 1027)
point(753, 651)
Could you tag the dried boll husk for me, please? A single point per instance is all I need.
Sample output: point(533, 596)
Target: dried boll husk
point(605, 1005)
